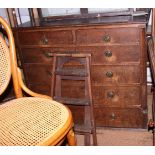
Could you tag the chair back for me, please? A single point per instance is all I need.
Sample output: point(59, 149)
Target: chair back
point(5, 66)
point(8, 61)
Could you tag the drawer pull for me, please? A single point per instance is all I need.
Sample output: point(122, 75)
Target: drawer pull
point(109, 74)
point(108, 53)
point(113, 116)
point(106, 38)
point(44, 40)
point(110, 94)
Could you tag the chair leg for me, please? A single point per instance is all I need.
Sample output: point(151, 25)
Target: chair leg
point(71, 138)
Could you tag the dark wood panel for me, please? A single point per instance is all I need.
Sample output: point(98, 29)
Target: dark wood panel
point(41, 88)
point(105, 36)
point(73, 89)
point(38, 73)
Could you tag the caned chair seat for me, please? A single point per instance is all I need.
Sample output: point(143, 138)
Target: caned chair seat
point(32, 121)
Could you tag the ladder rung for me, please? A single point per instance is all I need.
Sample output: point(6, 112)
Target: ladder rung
point(72, 72)
point(82, 129)
point(72, 101)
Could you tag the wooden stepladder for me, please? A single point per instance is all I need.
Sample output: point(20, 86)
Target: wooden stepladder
point(61, 73)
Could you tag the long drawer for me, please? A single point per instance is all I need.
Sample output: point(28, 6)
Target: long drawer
point(107, 35)
point(113, 117)
point(45, 37)
point(100, 75)
point(42, 55)
point(117, 117)
point(104, 96)
point(38, 73)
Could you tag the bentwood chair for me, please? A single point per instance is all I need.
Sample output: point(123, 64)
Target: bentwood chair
point(29, 121)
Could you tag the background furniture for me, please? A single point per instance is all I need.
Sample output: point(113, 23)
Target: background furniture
point(118, 67)
point(28, 121)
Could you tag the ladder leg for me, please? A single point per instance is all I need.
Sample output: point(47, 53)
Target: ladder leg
point(91, 112)
point(87, 139)
point(93, 124)
point(87, 123)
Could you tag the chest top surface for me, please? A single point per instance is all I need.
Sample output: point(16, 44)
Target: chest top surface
point(115, 20)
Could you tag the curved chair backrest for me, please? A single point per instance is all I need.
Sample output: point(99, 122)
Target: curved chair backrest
point(5, 66)
point(8, 61)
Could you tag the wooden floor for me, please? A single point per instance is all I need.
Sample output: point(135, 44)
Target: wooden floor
point(123, 137)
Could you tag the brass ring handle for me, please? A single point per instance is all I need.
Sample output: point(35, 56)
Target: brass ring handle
point(113, 116)
point(44, 40)
point(108, 53)
point(109, 74)
point(110, 94)
point(106, 38)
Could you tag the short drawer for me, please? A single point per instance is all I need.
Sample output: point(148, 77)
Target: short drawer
point(45, 37)
point(112, 54)
point(38, 73)
point(110, 96)
point(124, 118)
point(109, 75)
point(42, 55)
point(108, 35)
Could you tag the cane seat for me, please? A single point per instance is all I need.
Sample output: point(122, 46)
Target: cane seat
point(29, 121)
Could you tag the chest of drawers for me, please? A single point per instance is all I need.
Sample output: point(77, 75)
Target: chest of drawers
point(118, 66)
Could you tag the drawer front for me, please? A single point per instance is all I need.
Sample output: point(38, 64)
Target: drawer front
point(109, 75)
point(112, 54)
point(42, 55)
point(38, 74)
point(44, 89)
point(78, 114)
point(103, 96)
point(122, 97)
point(116, 117)
point(45, 37)
point(73, 89)
point(107, 35)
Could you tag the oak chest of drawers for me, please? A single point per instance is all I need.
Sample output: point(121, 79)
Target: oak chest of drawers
point(118, 65)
